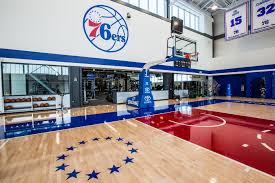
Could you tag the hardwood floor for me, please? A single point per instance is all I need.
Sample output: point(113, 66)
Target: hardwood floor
point(256, 111)
point(161, 157)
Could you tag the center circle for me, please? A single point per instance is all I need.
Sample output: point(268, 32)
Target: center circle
point(204, 126)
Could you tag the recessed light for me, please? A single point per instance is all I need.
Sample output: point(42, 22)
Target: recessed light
point(214, 7)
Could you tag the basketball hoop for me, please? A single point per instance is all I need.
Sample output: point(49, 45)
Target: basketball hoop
point(192, 56)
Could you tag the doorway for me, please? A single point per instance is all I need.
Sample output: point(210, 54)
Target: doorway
point(258, 88)
point(99, 86)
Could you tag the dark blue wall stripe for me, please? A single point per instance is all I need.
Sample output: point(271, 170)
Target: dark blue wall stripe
point(244, 69)
point(9, 53)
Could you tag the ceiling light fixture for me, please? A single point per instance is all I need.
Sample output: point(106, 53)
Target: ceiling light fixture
point(214, 7)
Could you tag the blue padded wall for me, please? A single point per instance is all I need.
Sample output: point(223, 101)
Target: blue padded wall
point(273, 84)
point(235, 82)
point(253, 81)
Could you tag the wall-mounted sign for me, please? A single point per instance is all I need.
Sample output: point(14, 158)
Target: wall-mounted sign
point(262, 15)
point(105, 28)
point(236, 22)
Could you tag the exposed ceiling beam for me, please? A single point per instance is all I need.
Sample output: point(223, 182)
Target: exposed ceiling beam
point(207, 3)
point(200, 3)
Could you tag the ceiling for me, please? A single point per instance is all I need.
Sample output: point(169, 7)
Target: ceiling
point(205, 5)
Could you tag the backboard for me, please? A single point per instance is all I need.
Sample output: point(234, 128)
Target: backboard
point(182, 47)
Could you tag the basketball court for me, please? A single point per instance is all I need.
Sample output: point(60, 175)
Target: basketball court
point(180, 141)
point(137, 91)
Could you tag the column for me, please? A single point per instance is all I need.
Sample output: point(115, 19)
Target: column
point(168, 84)
point(210, 86)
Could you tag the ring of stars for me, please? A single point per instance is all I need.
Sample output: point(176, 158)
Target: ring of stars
point(95, 174)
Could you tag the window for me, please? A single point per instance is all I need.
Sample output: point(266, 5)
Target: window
point(180, 79)
point(134, 2)
point(155, 6)
point(144, 4)
point(27, 79)
point(156, 81)
point(161, 7)
point(175, 11)
point(189, 19)
point(192, 21)
point(181, 14)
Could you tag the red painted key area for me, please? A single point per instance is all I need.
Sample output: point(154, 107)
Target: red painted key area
point(244, 139)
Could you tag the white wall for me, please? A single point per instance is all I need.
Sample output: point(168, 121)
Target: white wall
point(219, 23)
point(207, 23)
point(56, 27)
point(1, 91)
point(246, 59)
point(252, 50)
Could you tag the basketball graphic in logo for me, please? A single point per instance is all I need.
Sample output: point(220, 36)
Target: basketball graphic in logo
point(105, 28)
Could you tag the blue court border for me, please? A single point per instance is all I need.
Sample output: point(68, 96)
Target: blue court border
point(30, 128)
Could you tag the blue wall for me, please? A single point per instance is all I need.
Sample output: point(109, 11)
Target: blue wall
point(273, 85)
point(235, 82)
point(251, 82)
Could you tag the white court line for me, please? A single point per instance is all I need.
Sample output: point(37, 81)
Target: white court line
point(110, 126)
point(57, 136)
point(247, 169)
point(259, 136)
point(4, 144)
point(131, 123)
point(223, 120)
point(265, 131)
point(268, 147)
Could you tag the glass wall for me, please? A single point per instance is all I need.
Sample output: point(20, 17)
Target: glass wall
point(29, 79)
point(156, 81)
point(180, 81)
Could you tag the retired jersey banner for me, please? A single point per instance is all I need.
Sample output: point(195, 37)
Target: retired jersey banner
point(236, 22)
point(262, 15)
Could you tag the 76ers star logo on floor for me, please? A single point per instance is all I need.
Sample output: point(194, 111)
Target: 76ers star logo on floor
point(105, 28)
point(94, 173)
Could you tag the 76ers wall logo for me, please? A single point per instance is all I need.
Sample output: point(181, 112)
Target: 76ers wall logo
point(105, 28)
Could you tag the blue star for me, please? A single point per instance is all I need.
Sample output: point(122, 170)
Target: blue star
point(133, 150)
point(108, 138)
point(61, 167)
point(70, 148)
point(114, 169)
point(129, 143)
point(93, 175)
point(96, 139)
point(82, 142)
point(128, 160)
point(72, 174)
point(119, 139)
point(62, 157)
